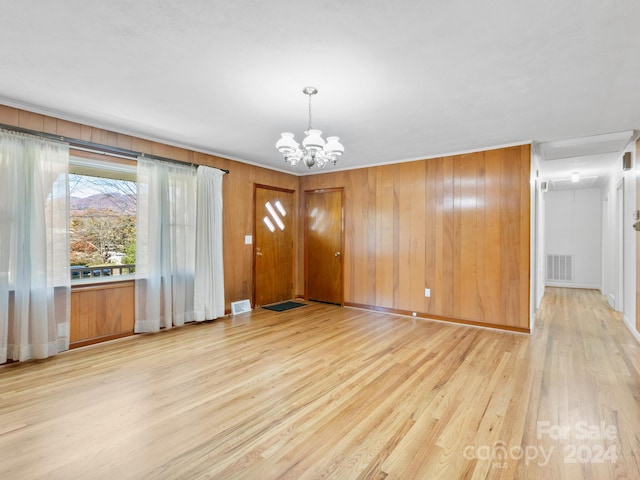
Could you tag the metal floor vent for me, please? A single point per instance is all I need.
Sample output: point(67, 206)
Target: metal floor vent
point(560, 268)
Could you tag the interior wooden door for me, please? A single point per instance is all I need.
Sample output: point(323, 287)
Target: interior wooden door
point(323, 245)
point(273, 246)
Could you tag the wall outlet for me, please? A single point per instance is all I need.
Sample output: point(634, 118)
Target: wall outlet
point(414, 314)
point(427, 292)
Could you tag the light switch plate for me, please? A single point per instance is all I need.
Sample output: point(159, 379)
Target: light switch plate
point(248, 240)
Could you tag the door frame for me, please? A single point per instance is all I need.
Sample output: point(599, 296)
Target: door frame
point(342, 238)
point(619, 246)
point(254, 232)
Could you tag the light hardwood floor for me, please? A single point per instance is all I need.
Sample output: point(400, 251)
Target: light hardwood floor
point(328, 392)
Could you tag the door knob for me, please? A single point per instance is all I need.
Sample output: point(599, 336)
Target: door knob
point(258, 252)
point(337, 254)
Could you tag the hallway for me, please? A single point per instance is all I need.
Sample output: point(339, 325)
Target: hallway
point(585, 396)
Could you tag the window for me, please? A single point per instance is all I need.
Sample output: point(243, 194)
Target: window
point(274, 215)
point(102, 211)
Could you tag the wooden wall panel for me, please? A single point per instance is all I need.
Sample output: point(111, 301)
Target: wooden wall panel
point(372, 199)
point(468, 235)
point(444, 289)
point(492, 286)
point(101, 311)
point(357, 246)
point(402, 235)
point(433, 234)
point(383, 232)
point(420, 235)
point(458, 225)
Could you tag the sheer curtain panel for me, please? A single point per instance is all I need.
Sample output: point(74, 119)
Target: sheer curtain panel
point(34, 247)
point(209, 283)
point(165, 245)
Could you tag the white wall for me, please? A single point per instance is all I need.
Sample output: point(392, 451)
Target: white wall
point(610, 240)
point(573, 226)
point(630, 236)
point(606, 256)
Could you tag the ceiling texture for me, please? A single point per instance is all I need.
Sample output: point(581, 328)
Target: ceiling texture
point(397, 80)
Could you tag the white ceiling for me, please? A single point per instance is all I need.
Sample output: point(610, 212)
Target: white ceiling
point(397, 80)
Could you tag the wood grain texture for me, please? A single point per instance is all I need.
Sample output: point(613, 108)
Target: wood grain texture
point(590, 375)
point(329, 392)
point(101, 311)
point(324, 239)
point(274, 253)
point(457, 225)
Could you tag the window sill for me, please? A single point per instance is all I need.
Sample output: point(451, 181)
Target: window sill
point(93, 281)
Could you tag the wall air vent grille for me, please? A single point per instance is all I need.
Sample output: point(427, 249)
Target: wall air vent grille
point(240, 306)
point(560, 268)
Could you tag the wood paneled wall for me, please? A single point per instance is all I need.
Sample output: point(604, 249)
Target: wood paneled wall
point(237, 188)
point(101, 312)
point(457, 225)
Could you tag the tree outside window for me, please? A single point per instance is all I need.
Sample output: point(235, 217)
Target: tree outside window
point(103, 222)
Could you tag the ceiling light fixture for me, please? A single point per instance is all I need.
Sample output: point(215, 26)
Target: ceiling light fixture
point(314, 150)
point(575, 177)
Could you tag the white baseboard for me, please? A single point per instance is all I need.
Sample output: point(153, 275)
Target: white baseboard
point(631, 328)
point(532, 321)
point(612, 301)
point(572, 285)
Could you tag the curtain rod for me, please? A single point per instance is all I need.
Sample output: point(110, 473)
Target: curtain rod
point(97, 147)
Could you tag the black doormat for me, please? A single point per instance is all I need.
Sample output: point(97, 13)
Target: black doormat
point(281, 307)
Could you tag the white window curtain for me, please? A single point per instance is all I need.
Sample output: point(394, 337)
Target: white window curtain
point(34, 247)
point(209, 276)
point(165, 245)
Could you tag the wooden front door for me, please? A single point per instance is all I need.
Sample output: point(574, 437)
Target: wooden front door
point(323, 245)
point(273, 248)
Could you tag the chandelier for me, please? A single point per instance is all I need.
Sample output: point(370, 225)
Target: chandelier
point(314, 150)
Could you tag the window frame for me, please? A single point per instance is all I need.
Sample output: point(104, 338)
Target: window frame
point(104, 166)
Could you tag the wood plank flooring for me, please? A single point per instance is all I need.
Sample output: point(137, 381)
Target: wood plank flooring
point(328, 392)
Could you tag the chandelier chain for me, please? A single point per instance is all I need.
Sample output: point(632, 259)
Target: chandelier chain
point(309, 112)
